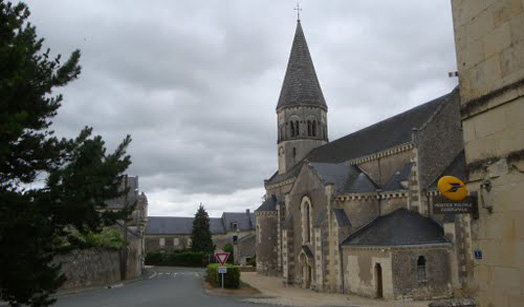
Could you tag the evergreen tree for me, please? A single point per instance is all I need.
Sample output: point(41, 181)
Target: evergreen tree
point(201, 240)
point(50, 188)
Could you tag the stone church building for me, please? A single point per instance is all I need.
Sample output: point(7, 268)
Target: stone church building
point(354, 215)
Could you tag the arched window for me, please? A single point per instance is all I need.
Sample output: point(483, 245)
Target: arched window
point(306, 209)
point(421, 268)
point(292, 129)
point(308, 128)
point(297, 128)
point(314, 128)
point(294, 152)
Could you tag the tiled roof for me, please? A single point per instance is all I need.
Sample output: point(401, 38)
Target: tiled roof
point(386, 134)
point(270, 204)
point(401, 227)
point(301, 86)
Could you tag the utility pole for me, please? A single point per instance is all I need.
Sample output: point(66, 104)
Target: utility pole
point(123, 265)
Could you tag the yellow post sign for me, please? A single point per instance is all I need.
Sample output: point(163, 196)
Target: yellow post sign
point(452, 188)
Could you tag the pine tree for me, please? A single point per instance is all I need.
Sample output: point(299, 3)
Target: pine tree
point(201, 240)
point(50, 188)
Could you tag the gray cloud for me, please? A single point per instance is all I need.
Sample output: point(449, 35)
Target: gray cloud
point(196, 83)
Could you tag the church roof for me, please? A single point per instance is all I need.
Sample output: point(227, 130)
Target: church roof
point(342, 218)
point(301, 86)
point(399, 228)
point(345, 178)
point(270, 204)
point(179, 225)
point(456, 168)
point(388, 133)
point(395, 181)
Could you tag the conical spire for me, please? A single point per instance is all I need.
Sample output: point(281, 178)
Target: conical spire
point(301, 86)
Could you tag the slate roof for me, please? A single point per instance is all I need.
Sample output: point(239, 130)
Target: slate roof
point(307, 251)
point(456, 168)
point(401, 175)
point(342, 218)
point(132, 194)
point(300, 86)
point(245, 220)
point(293, 172)
point(388, 133)
point(345, 178)
point(270, 204)
point(399, 228)
point(179, 225)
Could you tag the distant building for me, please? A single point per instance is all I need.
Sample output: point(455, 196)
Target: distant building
point(170, 233)
point(355, 215)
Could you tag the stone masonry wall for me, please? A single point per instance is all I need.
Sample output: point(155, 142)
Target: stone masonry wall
point(489, 41)
point(89, 268)
point(267, 252)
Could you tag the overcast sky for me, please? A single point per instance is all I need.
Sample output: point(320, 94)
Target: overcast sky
point(196, 83)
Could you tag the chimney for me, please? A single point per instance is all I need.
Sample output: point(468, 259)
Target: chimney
point(247, 211)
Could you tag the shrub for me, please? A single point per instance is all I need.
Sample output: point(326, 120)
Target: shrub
point(231, 278)
point(177, 258)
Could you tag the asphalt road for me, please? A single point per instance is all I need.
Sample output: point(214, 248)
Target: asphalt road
point(164, 287)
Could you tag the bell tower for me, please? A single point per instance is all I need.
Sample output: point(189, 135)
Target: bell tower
point(301, 108)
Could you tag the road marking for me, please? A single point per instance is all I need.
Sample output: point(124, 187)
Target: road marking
point(154, 274)
point(174, 275)
point(196, 274)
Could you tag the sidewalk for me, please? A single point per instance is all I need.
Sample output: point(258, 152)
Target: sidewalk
point(273, 291)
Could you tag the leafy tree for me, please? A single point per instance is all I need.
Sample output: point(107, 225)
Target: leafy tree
point(50, 188)
point(201, 240)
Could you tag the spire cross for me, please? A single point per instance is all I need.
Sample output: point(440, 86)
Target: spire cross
point(298, 9)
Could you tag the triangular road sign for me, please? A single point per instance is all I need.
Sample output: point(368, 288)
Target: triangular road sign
point(222, 257)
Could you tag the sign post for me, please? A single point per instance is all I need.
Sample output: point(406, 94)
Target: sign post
point(222, 258)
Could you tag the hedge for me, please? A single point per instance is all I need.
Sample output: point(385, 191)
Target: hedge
point(177, 258)
point(231, 278)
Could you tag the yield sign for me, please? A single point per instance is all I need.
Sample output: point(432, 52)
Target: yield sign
point(222, 257)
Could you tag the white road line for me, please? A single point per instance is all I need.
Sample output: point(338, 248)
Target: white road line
point(174, 275)
point(196, 274)
point(154, 274)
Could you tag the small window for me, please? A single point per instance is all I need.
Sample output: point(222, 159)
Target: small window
point(421, 268)
point(235, 239)
point(162, 242)
point(188, 242)
point(176, 241)
point(234, 226)
point(292, 129)
point(314, 128)
point(308, 128)
point(294, 152)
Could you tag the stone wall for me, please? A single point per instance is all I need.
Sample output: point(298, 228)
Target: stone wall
point(438, 273)
point(360, 272)
point(89, 268)
point(267, 253)
point(381, 169)
point(489, 41)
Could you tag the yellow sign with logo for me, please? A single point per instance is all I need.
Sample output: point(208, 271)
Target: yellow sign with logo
point(452, 188)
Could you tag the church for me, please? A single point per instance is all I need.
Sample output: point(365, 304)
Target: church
point(355, 215)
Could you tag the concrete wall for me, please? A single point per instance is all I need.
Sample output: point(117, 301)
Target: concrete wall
point(89, 268)
point(489, 41)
